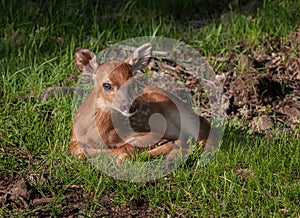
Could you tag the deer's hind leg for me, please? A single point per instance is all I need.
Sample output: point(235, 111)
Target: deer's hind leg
point(162, 149)
point(172, 150)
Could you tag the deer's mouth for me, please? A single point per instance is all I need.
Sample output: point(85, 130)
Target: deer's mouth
point(127, 110)
point(126, 114)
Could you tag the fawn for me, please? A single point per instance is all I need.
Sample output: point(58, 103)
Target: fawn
point(159, 123)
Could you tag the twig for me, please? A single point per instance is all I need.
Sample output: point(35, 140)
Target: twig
point(40, 201)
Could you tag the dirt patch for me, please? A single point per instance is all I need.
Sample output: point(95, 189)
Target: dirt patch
point(266, 90)
point(261, 86)
point(19, 195)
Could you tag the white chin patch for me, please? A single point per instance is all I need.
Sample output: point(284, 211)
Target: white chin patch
point(125, 114)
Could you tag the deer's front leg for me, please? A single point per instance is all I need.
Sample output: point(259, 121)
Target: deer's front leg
point(76, 149)
point(118, 154)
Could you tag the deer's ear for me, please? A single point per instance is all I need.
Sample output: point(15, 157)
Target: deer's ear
point(85, 61)
point(140, 57)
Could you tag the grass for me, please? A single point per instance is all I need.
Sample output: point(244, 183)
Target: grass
point(38, 42)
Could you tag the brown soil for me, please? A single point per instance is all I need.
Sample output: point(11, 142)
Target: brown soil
point(19, 194)
point(261, 86)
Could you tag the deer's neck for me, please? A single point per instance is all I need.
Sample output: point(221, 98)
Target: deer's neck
point(104, 124)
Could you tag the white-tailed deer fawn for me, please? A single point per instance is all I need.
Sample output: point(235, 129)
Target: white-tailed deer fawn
point(159, 122)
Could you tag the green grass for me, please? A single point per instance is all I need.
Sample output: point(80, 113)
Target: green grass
point(37, 46)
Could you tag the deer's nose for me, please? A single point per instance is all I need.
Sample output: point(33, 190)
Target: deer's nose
point(133, 107)
point(129, 107)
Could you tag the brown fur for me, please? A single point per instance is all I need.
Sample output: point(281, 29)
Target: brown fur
point(93, 130)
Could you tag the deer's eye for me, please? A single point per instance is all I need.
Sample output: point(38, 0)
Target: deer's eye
point(106, 86)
